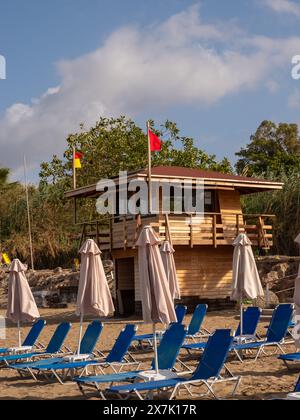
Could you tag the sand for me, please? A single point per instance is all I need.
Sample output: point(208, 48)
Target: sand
point(265, 379)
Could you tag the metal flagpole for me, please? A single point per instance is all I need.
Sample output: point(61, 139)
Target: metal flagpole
point(149, 171)
point(28, 213)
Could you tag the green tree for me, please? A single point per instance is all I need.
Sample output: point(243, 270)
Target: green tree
point(4, 173)
point(119, 144)
point(273, 149)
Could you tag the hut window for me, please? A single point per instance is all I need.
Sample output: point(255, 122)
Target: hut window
point(209, 205)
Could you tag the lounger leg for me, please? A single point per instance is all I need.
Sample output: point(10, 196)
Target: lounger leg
point(139, 395)
point(238, 355)
point(32, 374)
point(239, 379)
point(174, 393)
point(259, 353)
point(57, 377)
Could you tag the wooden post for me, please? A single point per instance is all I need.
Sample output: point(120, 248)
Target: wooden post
point(83, 234)
point(191, 232)
point(215, 230)
point(74, 169)
point(125, 233)
point(97, 234)
point(137, 228)
point(111, 234)
point(168, 229)
point(238, 224)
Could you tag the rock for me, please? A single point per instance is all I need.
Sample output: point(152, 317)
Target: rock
point(273, 300)
point(58, 270)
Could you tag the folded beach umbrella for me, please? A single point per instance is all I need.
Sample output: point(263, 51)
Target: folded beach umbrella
point(21, 306)
point(167, 255)
point(245, 278)
point(94, 297)
point(157, 302)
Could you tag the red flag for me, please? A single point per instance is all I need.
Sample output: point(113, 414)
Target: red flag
point(155, 142)
point(78, 155)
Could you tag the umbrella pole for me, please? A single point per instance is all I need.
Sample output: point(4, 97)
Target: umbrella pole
point(155, 349)
point(19, 334)
point(242, 321)
point(80, 334)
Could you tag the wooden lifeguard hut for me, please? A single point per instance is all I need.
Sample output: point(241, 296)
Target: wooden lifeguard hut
point(203, 244)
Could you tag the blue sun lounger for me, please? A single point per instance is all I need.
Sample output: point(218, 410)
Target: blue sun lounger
point(148, 338)
point(87, 347)
point(54, 347)
point(275, 336)
point(32, 337)
point(207, 374)
point(168, 352)
point(251, 319)
point(290, 359)
point(116, 359)
point(195, 328)
point(297, 389)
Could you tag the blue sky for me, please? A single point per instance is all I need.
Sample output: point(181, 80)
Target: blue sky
point(217, 68)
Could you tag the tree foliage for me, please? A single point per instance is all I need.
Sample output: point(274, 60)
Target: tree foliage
point(114, 145)
point(272, 149)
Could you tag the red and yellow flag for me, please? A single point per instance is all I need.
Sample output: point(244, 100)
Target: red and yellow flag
point(77, 160)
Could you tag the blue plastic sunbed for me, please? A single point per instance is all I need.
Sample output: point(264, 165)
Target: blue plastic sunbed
point(290, 359)
point(208, 373)
point(148, 338)
point(32, 337)
point(250, 321)
point(297, 389)
point(276, 333)
point(54, 347)
point(87, 347)
point(195, 328)
point(116, 359)
point(168, 352)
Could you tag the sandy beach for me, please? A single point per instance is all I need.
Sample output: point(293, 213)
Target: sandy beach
point(267, 378)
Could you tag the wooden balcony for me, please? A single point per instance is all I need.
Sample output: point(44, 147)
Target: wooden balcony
point(211, 229)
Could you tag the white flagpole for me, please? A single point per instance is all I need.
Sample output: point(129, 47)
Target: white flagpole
point(149, 171)
point(28, 213)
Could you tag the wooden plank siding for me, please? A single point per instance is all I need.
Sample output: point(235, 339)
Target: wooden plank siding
point(204, 272)
point(231, 211)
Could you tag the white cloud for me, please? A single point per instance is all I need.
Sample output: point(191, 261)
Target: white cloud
point(177, 62)
point(284, 6)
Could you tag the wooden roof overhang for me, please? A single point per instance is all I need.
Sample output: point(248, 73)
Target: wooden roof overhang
point(212, 180)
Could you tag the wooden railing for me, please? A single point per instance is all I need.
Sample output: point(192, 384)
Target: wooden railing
point(219, 229)
point(214, 229)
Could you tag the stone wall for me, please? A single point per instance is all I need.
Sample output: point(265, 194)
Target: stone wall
point(279, 272)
